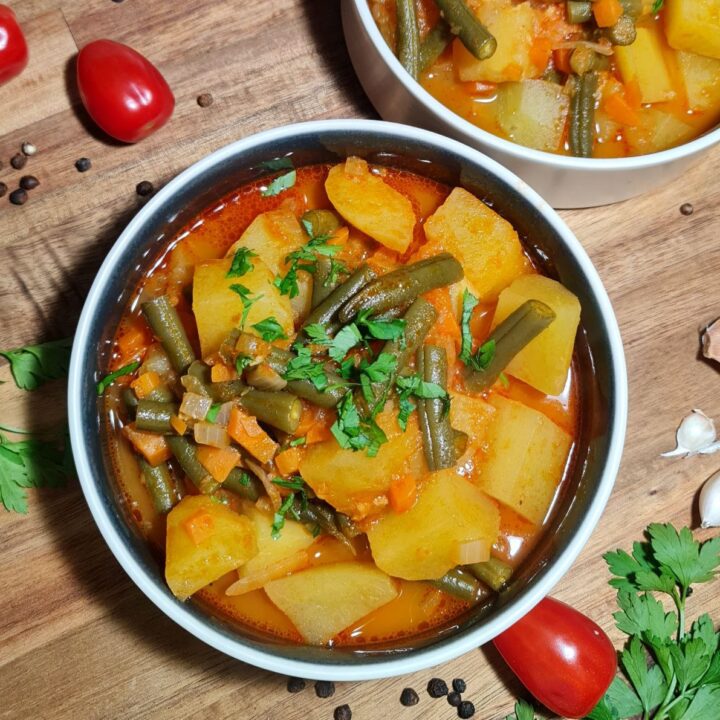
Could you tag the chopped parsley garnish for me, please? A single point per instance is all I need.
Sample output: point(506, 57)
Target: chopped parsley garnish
point(295, 483)
point(34, 365)
point(213, 412)
point(337, 268)
point(247, 300)
point(245, 479)
point(380, 369)
point(469, 302)
point(241, 264)
point(412, 385)
point(344, 341)
point(657, 5)
point(317, 334)
point(484, 356)
point(298, 441)
point(280, 183)
point(279, 517)
point(303, 367)
point(241, 362)
point(354, 431)
point(380, 329)
point(108, 380)
point(270, 329)
point(277, 164)
point(502, 377)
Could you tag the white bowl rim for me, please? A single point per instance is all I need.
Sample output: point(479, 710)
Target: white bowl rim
point(425, 657)
point(521, 152)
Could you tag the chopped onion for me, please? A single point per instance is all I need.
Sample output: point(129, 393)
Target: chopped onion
point(157, 361)
point(270, 488)
point(223, 416)
point(207, 433)
point(473, 551)
point(195, 406)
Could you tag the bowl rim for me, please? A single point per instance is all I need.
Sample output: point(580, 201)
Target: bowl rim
point(424, 657)
point(516, 150)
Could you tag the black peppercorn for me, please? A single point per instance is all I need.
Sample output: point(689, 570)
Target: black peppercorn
point(459, 685)
point(295, 685)
point(466, 709)
point(205, 100)
point(437, 688)
point(408, 697)
point(18, 197)
point(454, 698)
point(83, 164)
point(18, 161)
point(324, 689)
point(687, 209)
point(144, 188)
point(29, 182)
point(3, 189)
point(342, 712)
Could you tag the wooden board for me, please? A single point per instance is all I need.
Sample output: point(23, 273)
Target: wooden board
point(77, 638)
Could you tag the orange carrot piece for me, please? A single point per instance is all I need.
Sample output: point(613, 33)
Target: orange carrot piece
point(383, 260)
point(447, 323)
point(402, 493)
point(218, 461)
point(150, 445)
point(633, 94)
point(178, 425)
point(220, 372)
point(288, 461)
point(619, 110)
point(561, 60)
point(607, 12)
point(315, 424)
point(199, 526)
point(540, 51)
point(133, 338)
point(145, 384)
point(246, 432)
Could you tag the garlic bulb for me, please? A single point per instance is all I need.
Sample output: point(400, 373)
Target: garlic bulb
point(711, 341)
point(710, 502)
point(696, 435)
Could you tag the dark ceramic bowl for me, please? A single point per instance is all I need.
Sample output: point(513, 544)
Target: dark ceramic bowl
point(604, 392)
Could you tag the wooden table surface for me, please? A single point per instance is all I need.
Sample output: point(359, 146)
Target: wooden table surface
point(77, 638)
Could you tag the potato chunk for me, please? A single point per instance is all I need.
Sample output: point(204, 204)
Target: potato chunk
point(701, 77)
point(486, 245)
point(545, 361)
point(473, 416)
point(525, 460)
point(204, 541)
point(658, 130)
point(693, 25)
point(533, 113)
point(370, 204)
point(218, 309)
point(424, 542)
point(324, 600)
point(644, 62)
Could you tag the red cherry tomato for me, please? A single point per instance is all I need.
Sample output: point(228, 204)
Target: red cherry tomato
point(124, 92)
point(561, 656)
point(13, 48)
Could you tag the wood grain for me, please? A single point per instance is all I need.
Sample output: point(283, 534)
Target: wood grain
point(77, 638)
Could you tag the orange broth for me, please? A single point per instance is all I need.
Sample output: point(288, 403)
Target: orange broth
point(420, 606)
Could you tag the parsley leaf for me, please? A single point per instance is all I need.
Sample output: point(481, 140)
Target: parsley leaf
point(380, 369)
point(295, 483)
point(643, 614)
point(317, 334)
point(657, 5)
point(279, 516)
point(34, 365)
point(380, 329)
point(277, 164)
point(270, 329)
point(248, 300)
point(108, 380)
point(241, 264)
point(280, 183)
point(213, 412)
point(337, 268)
point(523, 711)
point(704, 705)
point(303, 367)
point(469, 302)
point(241, 362)
point(484, 356)
point(623, 699)
point(408, 385)
point(356, 432)
point(298, 441)
point(344, 341)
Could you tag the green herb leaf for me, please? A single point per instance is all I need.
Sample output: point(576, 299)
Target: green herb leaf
point(295, 483)
point(245, 479)
point(279, 184)
point(380, 369)
point(484, 356)
point(241, 264)
point(298, 441)
point(34, 365)
point(248, 300)
point(241, 362)
point(317, 334)
point(392, 329)
point(469, 302)
point(279, 516)
point(270, 329)
point(641, 614)
point(523, 711)
point(213, 412)
point(303, 367)
point(103, 385)
point(344, 341)
point(657, 6)
point(420, 388)
point(356, 432)
point(649, 683)
point(277, 164)
point(623, 700)
point(337, 268)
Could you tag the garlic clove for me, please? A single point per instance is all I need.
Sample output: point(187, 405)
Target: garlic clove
point(710, 502)
point(696, 434)
point(711, 341)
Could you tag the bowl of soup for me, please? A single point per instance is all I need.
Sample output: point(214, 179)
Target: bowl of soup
point(589, 102)
point(346, 399)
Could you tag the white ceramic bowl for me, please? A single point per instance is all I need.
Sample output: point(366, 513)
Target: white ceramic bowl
point(604, 393)
point(565, 182)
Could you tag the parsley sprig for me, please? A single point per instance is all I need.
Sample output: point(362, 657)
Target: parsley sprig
point(34, 365)
point(241, 263)
point(247, 298)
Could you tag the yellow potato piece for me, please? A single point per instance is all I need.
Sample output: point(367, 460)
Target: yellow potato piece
point(473, 416)
point(693, 25)
point(424, 542)
point(485, 244)
point(370, 204)
point(218, 309)
point(545, 361)
point(658, 130)
point(324, 600)
point(525, 460)
point(644, 62)
point(701, 77)
point(227, 541)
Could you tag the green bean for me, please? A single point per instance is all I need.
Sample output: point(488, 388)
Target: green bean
point(347, 527)
point(320, 223)
point(161, 394)
point(325, 312)
point(637, 8)
point(321, 286)
point(582, 115)
point(438, 437)
point(509, 338)
point(408, 37)
point(582, 60)
point(185, 453)
point(493, 572)
point(579, 11)
point(160, 485)
point(129, 398)
point(464, 23)
point(227, 349)
point(434, 44)
point(623, 32)
point(460, 443)
point(165, 323)
point(403, 285)
point(226, 391)
point(244, 484)
point(461, 584)
point(155, 416)
point(322, 515)
point(280, 409)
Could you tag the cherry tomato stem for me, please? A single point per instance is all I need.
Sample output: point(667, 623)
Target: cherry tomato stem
point(13, 47)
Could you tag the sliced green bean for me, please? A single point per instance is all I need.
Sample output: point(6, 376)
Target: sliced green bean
point(321, 223)
point(579, 11)
point(465, 24)
point(493, 572)
point(155, 416)
point(321, 285)
point(325, 312)
point(227, 390)
point(637, 8)
point(160, 485)
point(582, 115)
point(623, 32)
point(408, 37)
point(461, 584)
point(439, 437)
point(320, 514)
point(244, 484)
point(509, 338)
point(403, 285)
point(280, 409)
point(434, 44)
point(347, 527)
point(185, 453)
point(162, 394)
point(165, 323)
point(129, 398)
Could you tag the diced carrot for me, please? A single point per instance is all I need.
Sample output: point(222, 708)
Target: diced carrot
point(246, 432)
point(133, 338)
point(383, 260)
point(607, 12)
point(561, 60)
point(315, 424)
point(318, 433)
point(402, 493)
point(199, 526)
point(447, 323)
point(150, 445)
point(540, 51)
point(633, 94)
point(178, 425)
point(218, 461)
point(220, 372)
point(288, 461)
point(619, 110)
point(145, 384)
point(298, 561)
